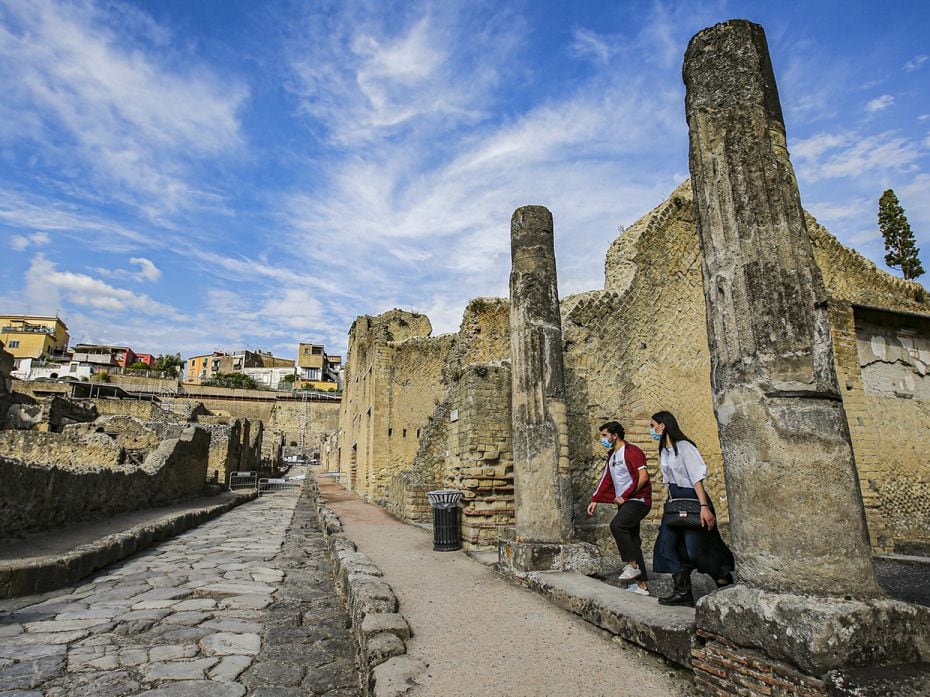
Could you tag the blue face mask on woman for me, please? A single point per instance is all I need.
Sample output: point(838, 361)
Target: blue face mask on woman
point(654, 435)
point(606, 442)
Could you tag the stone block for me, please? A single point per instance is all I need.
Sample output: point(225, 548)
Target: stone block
point(818, 634)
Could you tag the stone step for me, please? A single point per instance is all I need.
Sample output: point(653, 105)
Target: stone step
point(667, 631)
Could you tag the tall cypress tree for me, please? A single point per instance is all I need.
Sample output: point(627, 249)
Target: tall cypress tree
point(900, 248)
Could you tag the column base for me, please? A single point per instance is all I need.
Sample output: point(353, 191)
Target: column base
point(522, 557)
point(747, 636)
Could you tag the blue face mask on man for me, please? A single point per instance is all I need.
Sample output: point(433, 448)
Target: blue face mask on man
point(605, 441)
point(654, 435)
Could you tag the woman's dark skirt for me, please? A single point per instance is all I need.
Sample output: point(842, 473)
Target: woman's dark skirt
point(679, 549)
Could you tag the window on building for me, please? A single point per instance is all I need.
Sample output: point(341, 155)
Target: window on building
point(390, 432)
point(72, 368)
point(317, 350)
point(405, 433)
point(14, 343)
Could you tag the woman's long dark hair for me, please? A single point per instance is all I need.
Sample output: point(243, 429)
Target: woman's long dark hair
point(672, 430)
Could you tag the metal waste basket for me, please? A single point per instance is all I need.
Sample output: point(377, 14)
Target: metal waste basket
point(447, 519)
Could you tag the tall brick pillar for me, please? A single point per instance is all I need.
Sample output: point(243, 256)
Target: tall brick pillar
point(808, 590)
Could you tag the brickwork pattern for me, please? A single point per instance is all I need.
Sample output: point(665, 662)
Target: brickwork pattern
point(481, 464)
point(722, 669)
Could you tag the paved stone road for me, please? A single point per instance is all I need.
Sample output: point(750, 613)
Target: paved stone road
point(242, 604)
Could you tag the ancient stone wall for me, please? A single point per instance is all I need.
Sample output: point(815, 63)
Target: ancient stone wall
point(6, 383)
point(50, 413)
point(480, 461)
point(392, 385)
point(638, 347)
point(65, 449)
point(55, 483)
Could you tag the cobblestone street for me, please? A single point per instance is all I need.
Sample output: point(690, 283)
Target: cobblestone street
point(241, 605)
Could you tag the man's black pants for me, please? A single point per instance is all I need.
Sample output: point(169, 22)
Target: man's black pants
point(625, 529)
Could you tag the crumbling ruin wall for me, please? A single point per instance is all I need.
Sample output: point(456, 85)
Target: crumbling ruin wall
point(59, 484)
point(484, 336)
point(638, 347)
point(881, 341)
point(48, 413)
point(145, 410)
point(73, 449)
point(480, 461)
point(641, 346)
point(392, 386)
point(289, 418)
point(225, 448)
point(6, 383)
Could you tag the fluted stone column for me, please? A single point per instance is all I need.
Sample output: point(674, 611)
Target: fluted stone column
point(795, 507)
point(796, 513)
point(542, 477)
point(540, 436)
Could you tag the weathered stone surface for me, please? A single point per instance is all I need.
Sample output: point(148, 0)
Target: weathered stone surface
point(198, 688)
point(228, 643)
point(775, 388)
point(386, 622)
point(230, 667)
point(381, 646)
point(179, 670)
point(395, 676)
point(542, 478)
point(666, 630)
point(819, 634)
point(68, 644)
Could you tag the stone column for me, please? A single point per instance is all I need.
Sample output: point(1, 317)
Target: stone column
point(796, 511)
point(542, 477)
point(795, 507)
point(540, 435)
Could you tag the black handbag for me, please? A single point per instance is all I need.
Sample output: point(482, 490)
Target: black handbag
point(682, 513)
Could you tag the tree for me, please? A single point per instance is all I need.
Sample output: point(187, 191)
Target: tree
point(235, 381)
point(139, 365)
point(900, 248)
point(168, 364)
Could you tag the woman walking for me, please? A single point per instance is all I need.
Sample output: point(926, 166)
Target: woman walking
point(679, 550)
point(625, 482)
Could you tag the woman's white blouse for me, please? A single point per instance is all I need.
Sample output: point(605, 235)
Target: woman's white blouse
point(684, 469)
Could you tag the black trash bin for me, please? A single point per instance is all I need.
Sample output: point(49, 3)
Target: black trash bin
point(447, 519)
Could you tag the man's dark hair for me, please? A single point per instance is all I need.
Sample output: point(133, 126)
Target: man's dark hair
point(613, 427)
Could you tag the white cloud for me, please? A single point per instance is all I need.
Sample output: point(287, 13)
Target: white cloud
point(147, 269)
point(837, 155)
point(916, 62)
point(97, 84)
point(22, 242)
point(879, 103)
point(45, 283)
point(588, 44)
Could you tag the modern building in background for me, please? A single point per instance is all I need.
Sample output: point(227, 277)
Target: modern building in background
point(38, 337)
point(316, 370)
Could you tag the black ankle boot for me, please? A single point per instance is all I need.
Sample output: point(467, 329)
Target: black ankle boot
point(681, 591)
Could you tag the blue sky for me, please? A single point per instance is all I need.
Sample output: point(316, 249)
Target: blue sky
point(191, 176)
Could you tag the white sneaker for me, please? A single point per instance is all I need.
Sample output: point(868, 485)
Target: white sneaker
point(635, 588)
point(629, 573)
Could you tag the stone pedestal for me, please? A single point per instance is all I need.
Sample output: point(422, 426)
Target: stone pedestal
point(542, 479)
point(796, 514)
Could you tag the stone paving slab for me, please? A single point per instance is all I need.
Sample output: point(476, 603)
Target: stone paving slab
point(665, 630)
point(48, 561)
point(243, 604)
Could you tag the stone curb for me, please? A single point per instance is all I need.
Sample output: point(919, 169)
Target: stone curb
point(380, 631)
point(666, 631)
point(43, 574)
